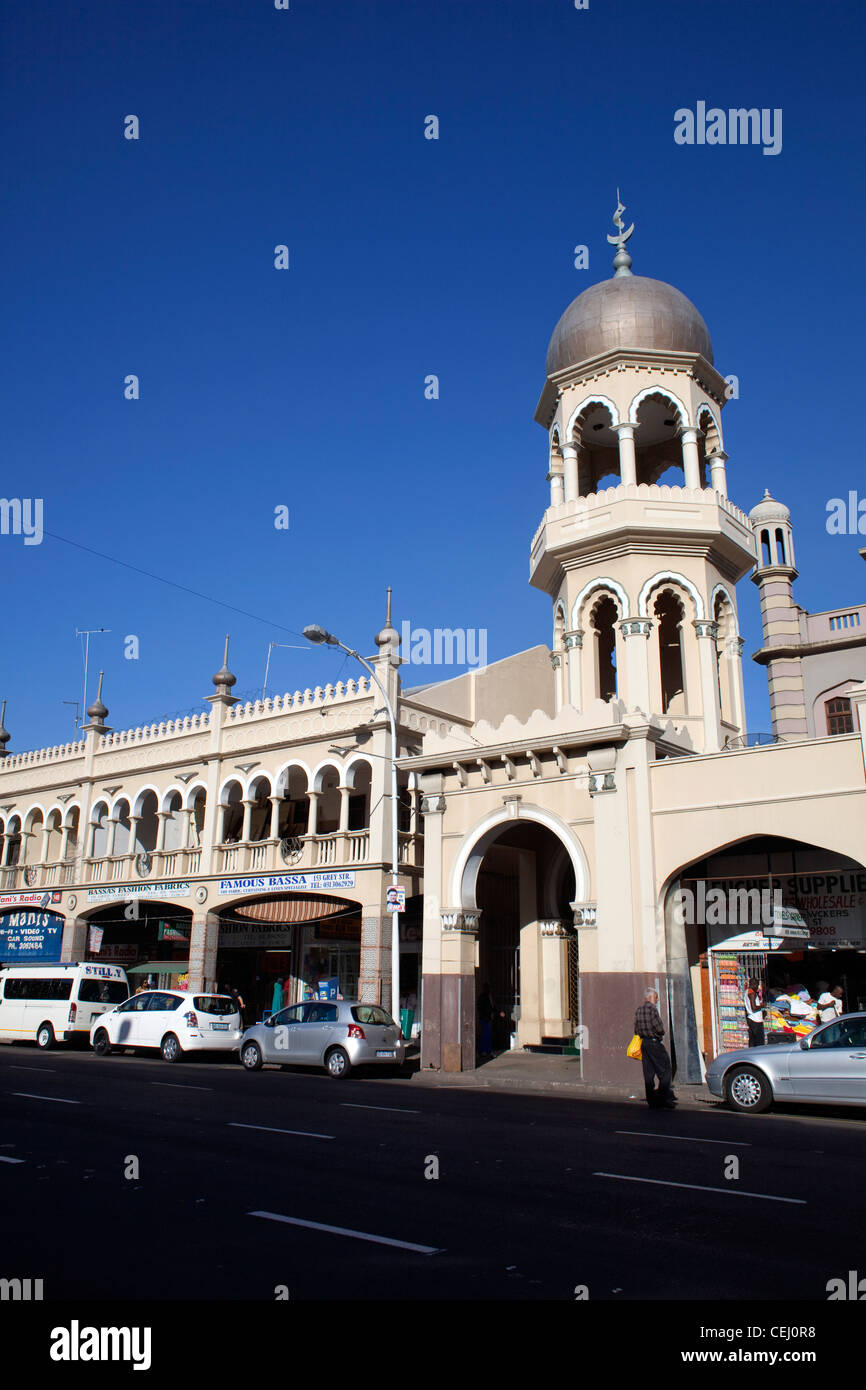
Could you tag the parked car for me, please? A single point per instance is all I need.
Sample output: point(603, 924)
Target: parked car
point(828, 1067)
point(335, 1035)
point(175, 1021)
point(52, 1004)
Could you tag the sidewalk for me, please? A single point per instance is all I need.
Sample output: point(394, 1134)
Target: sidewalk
point(529, 1071)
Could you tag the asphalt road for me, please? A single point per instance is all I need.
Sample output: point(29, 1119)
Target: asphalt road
point(236, 1176)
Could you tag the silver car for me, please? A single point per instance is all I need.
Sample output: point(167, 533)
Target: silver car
point(828, 1067)
point(337, 1035)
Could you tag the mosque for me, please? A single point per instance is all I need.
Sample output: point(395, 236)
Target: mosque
point(550, 806)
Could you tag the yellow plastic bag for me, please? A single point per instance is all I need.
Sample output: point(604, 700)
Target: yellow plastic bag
point(633, 1050)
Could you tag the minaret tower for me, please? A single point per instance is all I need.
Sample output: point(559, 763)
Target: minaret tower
point(774, 575)
point(640, 548)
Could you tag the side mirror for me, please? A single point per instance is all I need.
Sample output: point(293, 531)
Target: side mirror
point(269, 1021)
point(805, 1044)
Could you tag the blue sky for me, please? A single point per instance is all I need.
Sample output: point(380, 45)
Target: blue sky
point(408, 256)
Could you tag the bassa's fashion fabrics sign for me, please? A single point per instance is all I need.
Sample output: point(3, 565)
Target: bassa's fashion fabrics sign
point(281, 883)
point(36, 936)
point(138, 890)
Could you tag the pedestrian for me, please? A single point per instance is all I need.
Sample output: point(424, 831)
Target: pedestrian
point(277, 1001)
point(142, 987)
point(830, 1004)
point(654, 1054)
point(238, 1002)
point(753, 1003)
point(486, 1015)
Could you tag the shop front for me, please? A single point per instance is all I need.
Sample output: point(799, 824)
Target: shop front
point(151, 940)
point(284, 948)
point(813, 943)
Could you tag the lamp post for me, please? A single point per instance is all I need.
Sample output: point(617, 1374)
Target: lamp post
point(320, 635)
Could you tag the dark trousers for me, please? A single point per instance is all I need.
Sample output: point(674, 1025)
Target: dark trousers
point(656, 1063)
point(756, 1034)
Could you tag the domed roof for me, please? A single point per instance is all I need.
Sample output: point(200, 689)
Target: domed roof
point(627, 311)
point(768, 509)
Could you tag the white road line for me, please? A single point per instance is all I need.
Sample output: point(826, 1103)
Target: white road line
point(180, 1086)
point(685, 1138)
point(235, 1124)
point(14, 1067)
point(395, 1109)
point(30, 1096)
point(694, 1187)
point(344, 1231)
point(4, 1159)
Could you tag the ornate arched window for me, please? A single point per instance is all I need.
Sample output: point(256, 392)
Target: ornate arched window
point(669, 613)
point(603, 626)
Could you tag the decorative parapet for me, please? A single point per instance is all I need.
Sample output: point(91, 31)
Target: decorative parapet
point(302, 699)
point(649, 492)
point(43, 755)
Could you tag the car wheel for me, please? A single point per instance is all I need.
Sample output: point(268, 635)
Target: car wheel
point(337, 1064)
point(251, 1056)
point(102, 1043)
point(171, 1048)
point(748, 1090)
point(45, 1036)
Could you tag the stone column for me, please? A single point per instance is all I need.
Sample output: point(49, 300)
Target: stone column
point(161, 821)
point(457, 988)
point(43, 853)
point(627, 461)
point(313, 824)
point(691, 457)
point(74, 945)
point(374, 981)
point(569, 464)
point(112, 836)
point(573, 650)
point(203, 945)
point(636, 633)
point(432, 809)
point(553, 979)
point(134, 822)
point(64, 842)
point(557, 487)
point(276, 803)
point(248, 805)
point(708, 631)
point(345, 792)
point(718, 475)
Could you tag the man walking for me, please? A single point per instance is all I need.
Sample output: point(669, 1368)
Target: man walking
point(654, 1054)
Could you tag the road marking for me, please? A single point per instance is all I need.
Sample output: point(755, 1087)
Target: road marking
point(694, 1187)
point(685, 1138)
point(235, 1124)
point(14, 1067)
point(344, 1231)
point(4, 1159)
point(396, 1109)
point(181, 1086)
point(30, 1096)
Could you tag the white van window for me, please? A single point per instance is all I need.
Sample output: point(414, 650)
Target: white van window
point(215, 1004)
point(26, 987)
point(102, 992)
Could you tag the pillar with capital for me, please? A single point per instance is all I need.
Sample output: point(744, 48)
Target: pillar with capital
point(569, 464)
point(636, 632)
point(707, 631)
point(627, 460)
point(691, 457)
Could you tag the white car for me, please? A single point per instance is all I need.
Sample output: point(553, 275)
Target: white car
point(174, 1020)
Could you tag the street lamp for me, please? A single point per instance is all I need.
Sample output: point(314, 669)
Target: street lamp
point(320, 636)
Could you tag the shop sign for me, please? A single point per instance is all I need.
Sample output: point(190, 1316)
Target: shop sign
point(40, 899)
point(123, 955)
point(124, 892)
point(26, 936)
point(282, 883)
point(265, 936)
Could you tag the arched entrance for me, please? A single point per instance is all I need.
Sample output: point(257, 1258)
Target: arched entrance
point(519, 875)
point(723, 923)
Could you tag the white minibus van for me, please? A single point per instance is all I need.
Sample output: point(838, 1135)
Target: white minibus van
point(57, 1003)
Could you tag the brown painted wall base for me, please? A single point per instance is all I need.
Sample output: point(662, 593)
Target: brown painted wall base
point(448, 1026)
point(608, 1006)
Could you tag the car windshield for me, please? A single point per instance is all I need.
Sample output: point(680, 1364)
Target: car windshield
point(215, 1004)
point(371, 1013)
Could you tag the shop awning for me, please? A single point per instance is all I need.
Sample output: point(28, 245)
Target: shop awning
point(294, 909)
point(159, 967)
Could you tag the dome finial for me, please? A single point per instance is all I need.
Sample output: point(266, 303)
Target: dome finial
point(622, 260)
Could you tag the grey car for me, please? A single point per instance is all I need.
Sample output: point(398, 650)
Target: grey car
point(337, 1035)
point(828, 1067)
